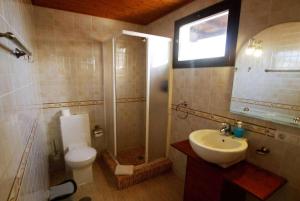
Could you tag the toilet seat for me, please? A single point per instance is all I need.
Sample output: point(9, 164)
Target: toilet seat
point(80, 157)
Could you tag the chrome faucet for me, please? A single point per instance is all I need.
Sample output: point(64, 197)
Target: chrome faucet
point(225, 129)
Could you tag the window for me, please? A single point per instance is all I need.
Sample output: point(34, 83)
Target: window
point(208, 37)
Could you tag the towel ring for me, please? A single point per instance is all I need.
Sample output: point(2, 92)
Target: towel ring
point(184, 105)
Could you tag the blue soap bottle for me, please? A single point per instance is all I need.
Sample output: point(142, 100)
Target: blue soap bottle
point(239, 131)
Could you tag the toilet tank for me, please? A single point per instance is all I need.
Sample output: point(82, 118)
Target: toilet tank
point(75, 130)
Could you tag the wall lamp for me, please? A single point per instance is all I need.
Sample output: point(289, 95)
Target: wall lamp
point(254, 47)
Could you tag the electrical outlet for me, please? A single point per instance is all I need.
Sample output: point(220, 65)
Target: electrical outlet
point(280, 136)
point(287, 137)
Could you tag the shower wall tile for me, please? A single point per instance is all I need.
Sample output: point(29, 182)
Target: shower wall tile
point(130, 67)
point(70, 67)
point(130, 92)
point(131, 125)
point(18, 112)
point(208, 90)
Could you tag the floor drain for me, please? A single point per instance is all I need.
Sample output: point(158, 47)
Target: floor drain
point(86, 199)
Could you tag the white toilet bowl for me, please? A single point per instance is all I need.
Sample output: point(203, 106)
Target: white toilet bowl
point(80, 157)
point(79, 162)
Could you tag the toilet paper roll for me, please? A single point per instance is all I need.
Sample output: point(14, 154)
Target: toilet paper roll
point(98, 135)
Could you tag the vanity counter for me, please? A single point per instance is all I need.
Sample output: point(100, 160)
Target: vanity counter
point(245, 176)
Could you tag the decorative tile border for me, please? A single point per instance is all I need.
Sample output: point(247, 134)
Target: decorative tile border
point(128, 100)
point(267, 104)
point(72, 104)
point(15, 190)
point(217, 118)
point(88, 102)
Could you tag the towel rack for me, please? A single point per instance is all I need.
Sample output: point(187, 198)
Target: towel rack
point(282, 70)
point(21, 50)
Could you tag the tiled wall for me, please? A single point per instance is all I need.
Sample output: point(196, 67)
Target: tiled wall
point(208, 92)
point(35, 179)
point(131, 125)
point(130, 92)
point(130, 67)
point(18, 115)
point(71, 73)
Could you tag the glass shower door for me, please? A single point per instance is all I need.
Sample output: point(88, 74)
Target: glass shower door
point(158, 74)
point(130, 93)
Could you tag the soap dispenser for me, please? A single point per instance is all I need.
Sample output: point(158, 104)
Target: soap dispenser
point(239, 131)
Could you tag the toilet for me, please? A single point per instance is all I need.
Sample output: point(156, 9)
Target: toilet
point(78, 153)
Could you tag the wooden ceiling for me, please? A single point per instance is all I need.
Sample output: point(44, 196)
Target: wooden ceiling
point(134, 11)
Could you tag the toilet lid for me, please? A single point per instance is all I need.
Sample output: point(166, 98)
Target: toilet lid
point(80, 154)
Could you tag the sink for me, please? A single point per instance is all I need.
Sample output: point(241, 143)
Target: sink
point(217, 148)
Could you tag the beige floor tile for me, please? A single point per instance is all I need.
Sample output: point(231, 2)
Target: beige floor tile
point(166, 187)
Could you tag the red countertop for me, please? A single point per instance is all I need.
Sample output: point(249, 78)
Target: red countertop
point(257, 181)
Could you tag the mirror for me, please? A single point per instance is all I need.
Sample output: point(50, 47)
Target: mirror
point(267, 76)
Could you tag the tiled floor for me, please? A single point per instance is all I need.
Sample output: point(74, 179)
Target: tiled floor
point(134, 156)
point(166, 187)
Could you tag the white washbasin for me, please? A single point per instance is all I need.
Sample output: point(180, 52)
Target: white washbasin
point(216, 148)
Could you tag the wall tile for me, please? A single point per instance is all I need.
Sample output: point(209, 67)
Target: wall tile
point(18, 97)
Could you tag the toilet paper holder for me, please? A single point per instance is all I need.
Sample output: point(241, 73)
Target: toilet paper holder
point(97, 131)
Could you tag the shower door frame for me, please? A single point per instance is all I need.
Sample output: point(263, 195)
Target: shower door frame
point(148, 73)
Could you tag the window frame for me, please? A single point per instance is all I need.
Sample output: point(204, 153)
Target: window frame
point(234, 7)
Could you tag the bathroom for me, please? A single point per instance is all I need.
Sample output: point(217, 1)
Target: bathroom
point(81, 59)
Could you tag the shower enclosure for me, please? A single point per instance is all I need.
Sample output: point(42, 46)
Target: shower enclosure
point(136, 71)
